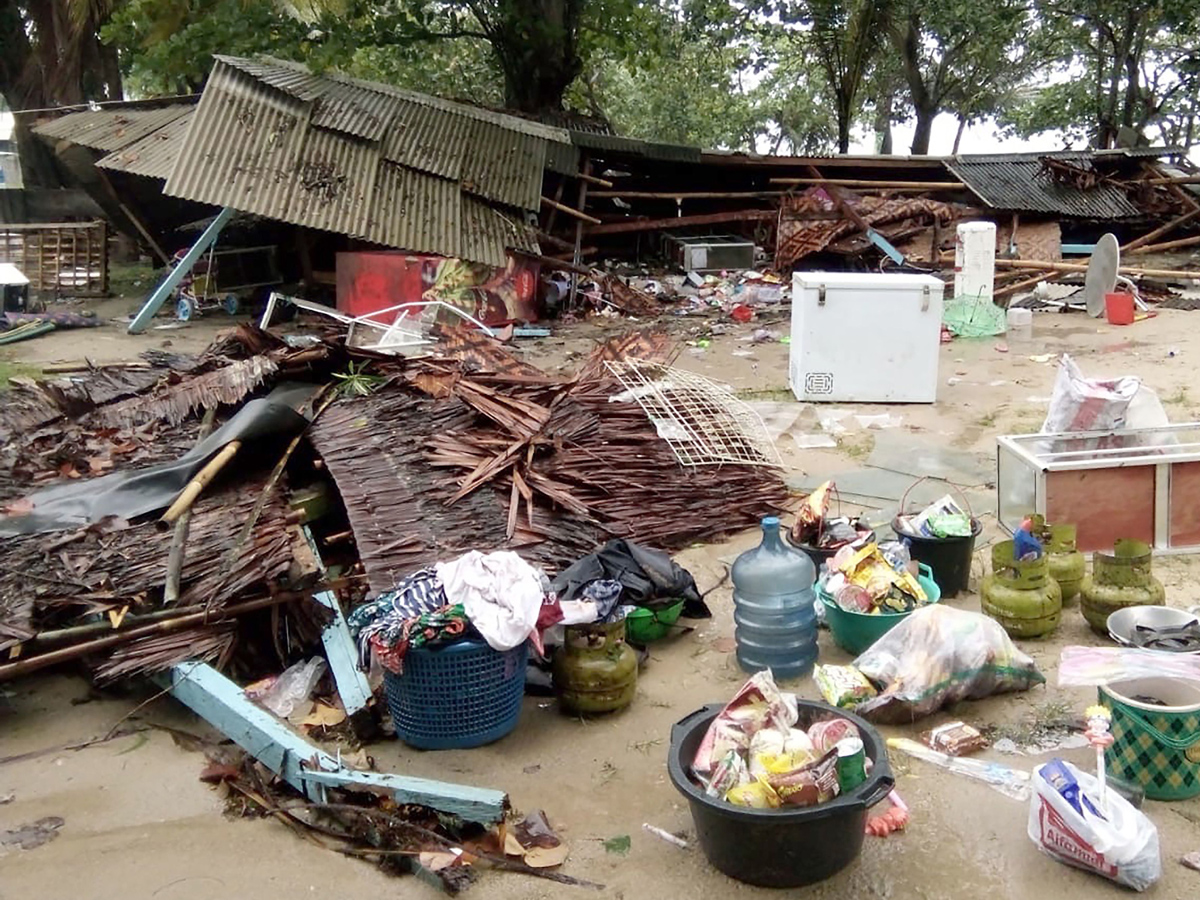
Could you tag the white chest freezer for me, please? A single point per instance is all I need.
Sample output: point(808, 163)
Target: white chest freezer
point(865, 338)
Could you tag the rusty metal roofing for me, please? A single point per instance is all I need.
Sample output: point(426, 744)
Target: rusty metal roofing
point(258, 148)
point(493, 155)
point(154, 155)
point(1016, 182)
point(111, 129)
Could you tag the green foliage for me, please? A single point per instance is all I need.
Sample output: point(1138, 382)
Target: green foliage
point(166, 46)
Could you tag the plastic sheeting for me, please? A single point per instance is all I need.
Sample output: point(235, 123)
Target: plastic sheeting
point(131, 494)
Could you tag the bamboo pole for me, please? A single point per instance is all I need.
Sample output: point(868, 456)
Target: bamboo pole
point(881, 185)
point(592, 179)
point(1161, 230)
point(179, 538)
point(66, 654)
point(570, 211)
point(688, 195)
point(1079, 267)
point(189, 494)
point(1020, 285)
point(743, 215)
point(1168, 245)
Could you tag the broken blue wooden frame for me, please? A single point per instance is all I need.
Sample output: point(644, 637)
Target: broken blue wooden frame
point(167, 287)
point(352, 685)
point(306, 767)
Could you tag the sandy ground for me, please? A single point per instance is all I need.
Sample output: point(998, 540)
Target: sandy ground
point(139, 824)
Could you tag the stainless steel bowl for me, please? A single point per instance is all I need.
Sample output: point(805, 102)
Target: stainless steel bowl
point(1124, 622)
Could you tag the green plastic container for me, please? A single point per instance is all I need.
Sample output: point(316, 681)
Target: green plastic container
point(1155, 747)
point(643, 626)
point(854, 632)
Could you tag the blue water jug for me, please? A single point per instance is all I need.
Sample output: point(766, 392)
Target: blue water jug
point(773, 607)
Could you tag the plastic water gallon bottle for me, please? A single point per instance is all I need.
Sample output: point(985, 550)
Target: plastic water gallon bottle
point(773, 607)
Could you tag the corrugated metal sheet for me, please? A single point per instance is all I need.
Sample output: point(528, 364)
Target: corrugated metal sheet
point(495, 156)
point(1016, 182)
point(590, 140)
point(111, 129)
point(257, 149)
point(154, 155)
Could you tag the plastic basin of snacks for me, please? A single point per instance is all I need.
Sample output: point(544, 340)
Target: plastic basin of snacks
point(854, 632)
point(779, 847)
point(643, 626)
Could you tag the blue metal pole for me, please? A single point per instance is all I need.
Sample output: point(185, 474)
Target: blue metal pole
point(164, 290)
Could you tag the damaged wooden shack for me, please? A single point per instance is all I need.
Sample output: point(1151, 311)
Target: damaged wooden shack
point(367, 196)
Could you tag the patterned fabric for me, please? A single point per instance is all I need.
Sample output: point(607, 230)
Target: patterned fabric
point(431, 629)
point(381, 622)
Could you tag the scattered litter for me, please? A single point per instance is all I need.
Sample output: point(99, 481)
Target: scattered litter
point(1012, 783)
point(814, 441)
point(665, 835)
point(1042, 358)
point(880, 421)
point(618, 845)
point(1191, 860)
point(1001, 348)
point(7, 798)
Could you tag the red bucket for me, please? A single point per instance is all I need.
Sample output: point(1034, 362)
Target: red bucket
point(1118, 308)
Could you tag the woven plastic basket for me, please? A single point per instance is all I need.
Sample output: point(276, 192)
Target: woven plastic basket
point(463, 695)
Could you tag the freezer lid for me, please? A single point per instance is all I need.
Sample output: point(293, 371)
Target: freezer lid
point(870, 280)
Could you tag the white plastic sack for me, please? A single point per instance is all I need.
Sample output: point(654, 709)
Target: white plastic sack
point(1079, 403)
point(1123, 847)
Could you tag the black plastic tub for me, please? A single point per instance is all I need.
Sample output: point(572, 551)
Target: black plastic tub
point(949, 558)
point(772, 847)
point(820, 555)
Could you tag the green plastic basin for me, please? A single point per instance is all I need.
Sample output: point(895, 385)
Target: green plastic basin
point(854, 632)
point(642, 626)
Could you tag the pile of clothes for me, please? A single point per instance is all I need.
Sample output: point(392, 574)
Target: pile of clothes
point(502, 599)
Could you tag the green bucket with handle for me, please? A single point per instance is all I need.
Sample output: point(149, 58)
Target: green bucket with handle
point(1156, 735)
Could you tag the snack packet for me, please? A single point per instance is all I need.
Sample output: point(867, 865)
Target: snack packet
point(843, 686)
point(808, 785)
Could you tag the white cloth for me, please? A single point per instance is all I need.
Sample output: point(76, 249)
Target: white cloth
point(500, 593)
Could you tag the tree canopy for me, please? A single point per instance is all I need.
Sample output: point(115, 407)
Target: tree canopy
point(791, 75)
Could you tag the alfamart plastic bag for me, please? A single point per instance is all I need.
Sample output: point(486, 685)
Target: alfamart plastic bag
point(940, 655)
point(1111, 839)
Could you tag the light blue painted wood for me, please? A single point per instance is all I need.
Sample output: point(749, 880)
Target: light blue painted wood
point(306, 767)
point(1078, 249)
point(164, 290)
point(886, 246)
point(340, 650)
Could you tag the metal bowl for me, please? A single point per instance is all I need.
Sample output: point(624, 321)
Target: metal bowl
point(1124, 622)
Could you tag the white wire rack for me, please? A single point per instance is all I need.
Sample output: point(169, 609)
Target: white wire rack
point(702, 420)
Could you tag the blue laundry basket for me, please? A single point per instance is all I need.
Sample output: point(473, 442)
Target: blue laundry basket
point(454, 697)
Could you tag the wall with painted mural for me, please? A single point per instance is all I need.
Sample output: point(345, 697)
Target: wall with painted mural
point(371, 281)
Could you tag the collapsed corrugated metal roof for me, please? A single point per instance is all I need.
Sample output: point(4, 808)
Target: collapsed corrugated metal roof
point(153, 156)
point(111, 129)
point(1019, 182)
point(363, 160)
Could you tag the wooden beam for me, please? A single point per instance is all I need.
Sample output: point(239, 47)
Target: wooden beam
point(744, 215)
point(306, 767)
point(586, 169)
point(1007, 289)
point(1080, 267)
point(567, 210)
point(1185, 179)
point(689, 195)
point(880, 185)
point(1167, 245)
point(1161, 230)
point(592, 179)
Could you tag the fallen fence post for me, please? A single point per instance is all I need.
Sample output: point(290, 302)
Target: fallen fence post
point(303, 765)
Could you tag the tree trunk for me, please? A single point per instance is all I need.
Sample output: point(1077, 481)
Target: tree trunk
point(962, 126)
point(923, 131)
point(844, 118)
point(883, 121)
point(536, 43)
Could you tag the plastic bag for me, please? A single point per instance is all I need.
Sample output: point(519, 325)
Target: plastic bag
point(758, 704)
point(939, 655)
point(1121, 845)
point(294, 685)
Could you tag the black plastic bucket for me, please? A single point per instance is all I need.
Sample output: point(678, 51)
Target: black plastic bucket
point(949, 558)
point(773, 847)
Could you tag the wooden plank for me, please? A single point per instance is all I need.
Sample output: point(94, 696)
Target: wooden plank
point(305, 766)
point(1104, 504)
point(569, 210)
point(744, 215)
point(1185, 505)
point(878, 185)
point(1161, 230)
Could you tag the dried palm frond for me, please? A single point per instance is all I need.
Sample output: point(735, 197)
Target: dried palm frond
point(175, 402)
